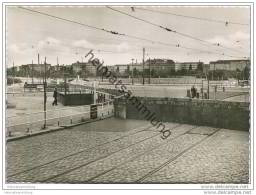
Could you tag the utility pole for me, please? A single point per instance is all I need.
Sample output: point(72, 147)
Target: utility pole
point(208, 88)
point(65, 83)
point(13, 75)
point(202, 88)
point(101, 77)
point(44, 94)
point(57, 68)
point(32, 72)
point(132, 71)
point(38, 62)
point(94, 92)
point(143, 66)
point(149, 72)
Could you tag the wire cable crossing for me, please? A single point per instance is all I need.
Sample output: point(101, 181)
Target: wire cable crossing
point(129, 36)
point(173, 31)
point(225, 22)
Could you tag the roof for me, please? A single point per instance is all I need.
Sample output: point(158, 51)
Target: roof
point(227, 61)
point(188, 62)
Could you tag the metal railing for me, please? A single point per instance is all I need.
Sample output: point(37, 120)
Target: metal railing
point(30, 122)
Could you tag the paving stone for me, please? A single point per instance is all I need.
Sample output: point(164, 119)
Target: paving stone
point(134, 170)
point(203, 130)
point(82, 175)
point(223, 158)
point(132, 155)
point(30, 152)
point(86, 156)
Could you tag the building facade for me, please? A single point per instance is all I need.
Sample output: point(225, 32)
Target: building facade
point(206, 68)
point(230, 65)
point(40, 68)
point(187, 65)
point(160, 65)
point(85, 68)
point(157, 65)
point(121, 68)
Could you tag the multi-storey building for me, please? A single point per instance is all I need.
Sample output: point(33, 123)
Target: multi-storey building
point(86, 68)
point(230, 65)
point(40, 68)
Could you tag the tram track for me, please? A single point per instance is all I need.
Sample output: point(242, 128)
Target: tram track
point(162, 165)
point(139, 130)
point(137, 156)
point(100, 158)
point(102, 173)
point(90, 180)
point(174, 158)
point(81, 151)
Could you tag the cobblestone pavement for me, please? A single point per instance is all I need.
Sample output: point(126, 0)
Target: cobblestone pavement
point(222, 158)
point(131, 151)
point(30, 152)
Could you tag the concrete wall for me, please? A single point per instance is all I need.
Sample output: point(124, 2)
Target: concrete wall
point(72, 99)
point(220, 114)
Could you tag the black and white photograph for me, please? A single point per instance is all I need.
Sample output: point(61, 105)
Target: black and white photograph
point(138, 95)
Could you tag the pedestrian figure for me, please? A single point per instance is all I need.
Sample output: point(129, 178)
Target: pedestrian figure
point(55, 97)
point(193, 92)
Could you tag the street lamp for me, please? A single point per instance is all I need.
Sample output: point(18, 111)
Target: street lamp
point(44, 127)
point(149, 71)
point(143, 66)
point(13, 74)
point(132, 71)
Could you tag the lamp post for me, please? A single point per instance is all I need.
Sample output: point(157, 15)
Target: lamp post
point(143, 66)
point(202, 89)
point(65, 74)
point(13, 74)
point(132, 72)
point(208, 88)
point(32, 72)
point(45, 97)
point(65, 84)
point(149, 72)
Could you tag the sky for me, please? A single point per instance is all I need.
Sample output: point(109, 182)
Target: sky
point(29, 33)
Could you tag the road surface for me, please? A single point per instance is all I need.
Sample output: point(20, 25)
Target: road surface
point(130, 151)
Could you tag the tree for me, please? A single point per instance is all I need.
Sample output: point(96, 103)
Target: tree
point(200, 67)
point(246, 72)
point(190, 67)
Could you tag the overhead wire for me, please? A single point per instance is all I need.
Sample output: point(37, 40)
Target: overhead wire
point(122, 34)
point(172, 30)
point(225, 22)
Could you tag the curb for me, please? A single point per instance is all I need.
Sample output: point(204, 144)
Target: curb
point(10, 139)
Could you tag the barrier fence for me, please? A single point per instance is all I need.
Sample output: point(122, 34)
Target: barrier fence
point(36, 121)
